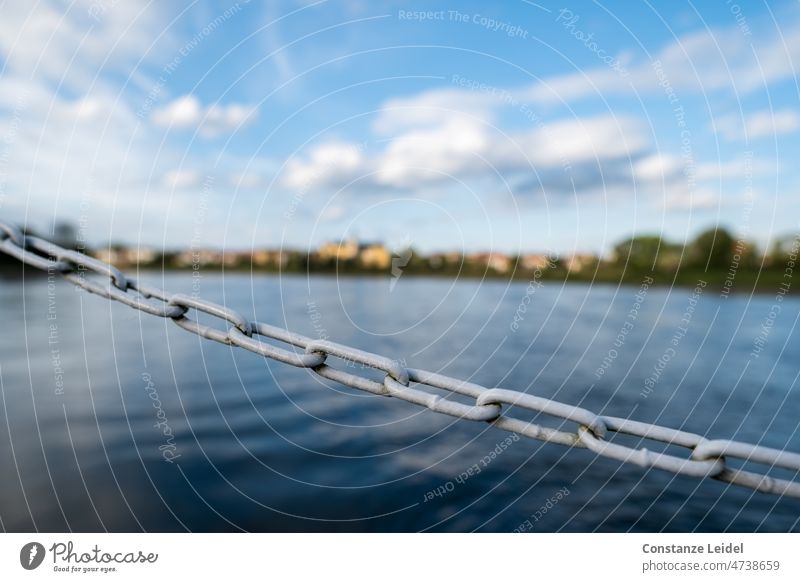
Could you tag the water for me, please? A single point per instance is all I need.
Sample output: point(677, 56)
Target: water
point(95, 398)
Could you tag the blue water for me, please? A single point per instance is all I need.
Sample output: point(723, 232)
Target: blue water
point(249, 444)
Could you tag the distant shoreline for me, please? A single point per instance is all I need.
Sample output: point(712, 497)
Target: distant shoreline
point(746, 283)
point(723, 263)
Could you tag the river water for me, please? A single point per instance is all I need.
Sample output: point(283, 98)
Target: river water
point(113, 420)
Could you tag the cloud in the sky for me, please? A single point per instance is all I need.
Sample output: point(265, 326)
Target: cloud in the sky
point(329, 165)
point(75, 80)
point(698, 62)
point(449, 133)
point(78, 142)
point(460, 149)
point(759, 124)
point(178, 179)
point(435, 106)
point(187, 112)
point(73, 44)
point(73, 138)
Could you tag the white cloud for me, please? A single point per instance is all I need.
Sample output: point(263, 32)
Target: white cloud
point(694, 199)
point(735, 169)
point(668, 168)
point(768, 123)
point(82, 137)
point(73, 145)
point(667, 176)
point(435, 107)
point(450, 131)
point(758, 124)
point(82, 160)
point(178, 179)
point(658, 168)
point(186, 112)
point(91, 146)
point(709, 60)
point(460, 149)
point(246, 180)
point(432, 154)
point(587, 139)
point(183, 112)
point(72, 44)
point(332, 213)
point(328, 165)
point(74, 75)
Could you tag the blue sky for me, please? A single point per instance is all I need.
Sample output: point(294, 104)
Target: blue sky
point(514, 126)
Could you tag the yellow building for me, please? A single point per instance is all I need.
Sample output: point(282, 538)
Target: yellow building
point(108, 255)
point(125, 257)
point(339, 251)
point(270, 258)
point(579, 262)
point(495, 261)
point(533, 262)
point(375, 256)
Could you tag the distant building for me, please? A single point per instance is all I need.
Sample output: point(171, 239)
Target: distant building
point(533, 262)
point(270, 258)
point(339, 251)
point(370, 255)
point(374, 256)
point(495, 261)
point(262, 258)
point(454, 257)
point(236, 258)
point(140, 255)
point(126, 256)
point(199, 258)
point(579, 262)
point(108, 255)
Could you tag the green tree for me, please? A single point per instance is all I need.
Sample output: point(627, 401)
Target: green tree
point(783, 248)
point(712, 249)
point(640, 252)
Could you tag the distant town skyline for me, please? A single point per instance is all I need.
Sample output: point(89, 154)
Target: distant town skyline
point(714, 256)
point(512, 127)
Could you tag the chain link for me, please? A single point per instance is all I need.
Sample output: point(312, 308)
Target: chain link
point(707, 459)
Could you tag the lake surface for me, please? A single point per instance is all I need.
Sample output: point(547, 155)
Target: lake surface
point(114, 420)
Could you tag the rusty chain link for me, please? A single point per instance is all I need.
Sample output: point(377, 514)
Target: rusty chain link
point(707, 458)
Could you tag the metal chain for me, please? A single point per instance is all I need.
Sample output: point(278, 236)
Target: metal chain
point(707, 459)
